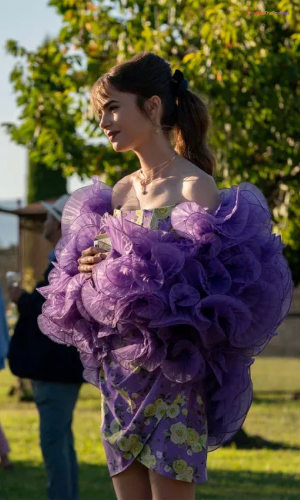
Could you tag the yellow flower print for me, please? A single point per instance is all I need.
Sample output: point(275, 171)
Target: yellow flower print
point(139, 216)
point(114, 426)
point(199, 399)
point(178, 399)
point(133, 438)
point(123, 443)
point(198, 444)
point(180, 466)
point(187, 475)
point(178, 433)
point(192, 436)
point(196, 447)
point(203, 439)
point(161, 410)
point(146, 458)
point(173, 411)
point(114, 437)
point(149, 462)
point(146, 451)
point(134, 395)
point(162, 213)
point(184, 411)
point(159, 401)
point(127, 456)
point(136, 448)
point(150, 410)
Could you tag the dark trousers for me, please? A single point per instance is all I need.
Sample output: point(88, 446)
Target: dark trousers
point(55, 402)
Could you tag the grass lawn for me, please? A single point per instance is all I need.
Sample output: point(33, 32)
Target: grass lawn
point(233, 474)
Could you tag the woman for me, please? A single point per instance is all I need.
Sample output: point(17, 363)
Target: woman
point(194, 285)
point(5, 463)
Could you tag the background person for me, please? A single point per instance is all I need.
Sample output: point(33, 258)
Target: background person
point(56, 374)
point(5, 463)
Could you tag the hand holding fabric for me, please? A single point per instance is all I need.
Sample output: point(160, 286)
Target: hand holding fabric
point(89, 258)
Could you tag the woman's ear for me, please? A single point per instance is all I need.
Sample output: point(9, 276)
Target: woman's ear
point(153, 105)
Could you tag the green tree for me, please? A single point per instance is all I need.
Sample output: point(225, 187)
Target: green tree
point(246, 66)
point(43, 183)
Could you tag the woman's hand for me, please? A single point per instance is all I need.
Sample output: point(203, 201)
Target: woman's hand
point(89, 258)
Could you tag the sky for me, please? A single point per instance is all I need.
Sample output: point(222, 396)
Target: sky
point(28, 22)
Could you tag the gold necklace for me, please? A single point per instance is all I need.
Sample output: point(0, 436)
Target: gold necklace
point(149, 180)
point(153, 168)
point(145, 182)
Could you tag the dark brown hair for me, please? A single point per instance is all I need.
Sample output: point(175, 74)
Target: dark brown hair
point(185, 119)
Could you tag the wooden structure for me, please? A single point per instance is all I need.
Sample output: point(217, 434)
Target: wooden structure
point(33, 248)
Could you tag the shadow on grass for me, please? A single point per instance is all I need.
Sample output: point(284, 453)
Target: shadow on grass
point(248, 485)
point(274, 399)
point(259, 443)
point(28, 482)
point(244, 441)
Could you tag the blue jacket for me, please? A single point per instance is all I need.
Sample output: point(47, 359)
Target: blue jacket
point(4, 335)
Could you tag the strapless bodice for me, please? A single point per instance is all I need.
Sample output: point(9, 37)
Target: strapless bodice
point(154, 218)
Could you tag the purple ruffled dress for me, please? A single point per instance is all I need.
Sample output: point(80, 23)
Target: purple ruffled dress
point(168, 324)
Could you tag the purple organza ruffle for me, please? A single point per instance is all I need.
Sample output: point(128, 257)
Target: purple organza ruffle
point(64, 318)
point(198, 302)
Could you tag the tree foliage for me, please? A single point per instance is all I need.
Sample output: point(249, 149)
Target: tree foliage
point(44, 183)
point(245, 66)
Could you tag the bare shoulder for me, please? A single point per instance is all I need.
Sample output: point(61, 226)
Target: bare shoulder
point(121, 190)
point(200, 187)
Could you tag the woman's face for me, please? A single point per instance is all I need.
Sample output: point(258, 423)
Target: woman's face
point(120, 113)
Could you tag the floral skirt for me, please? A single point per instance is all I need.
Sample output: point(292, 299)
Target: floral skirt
point(161, 424)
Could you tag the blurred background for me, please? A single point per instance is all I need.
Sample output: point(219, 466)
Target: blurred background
point(247, 69)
